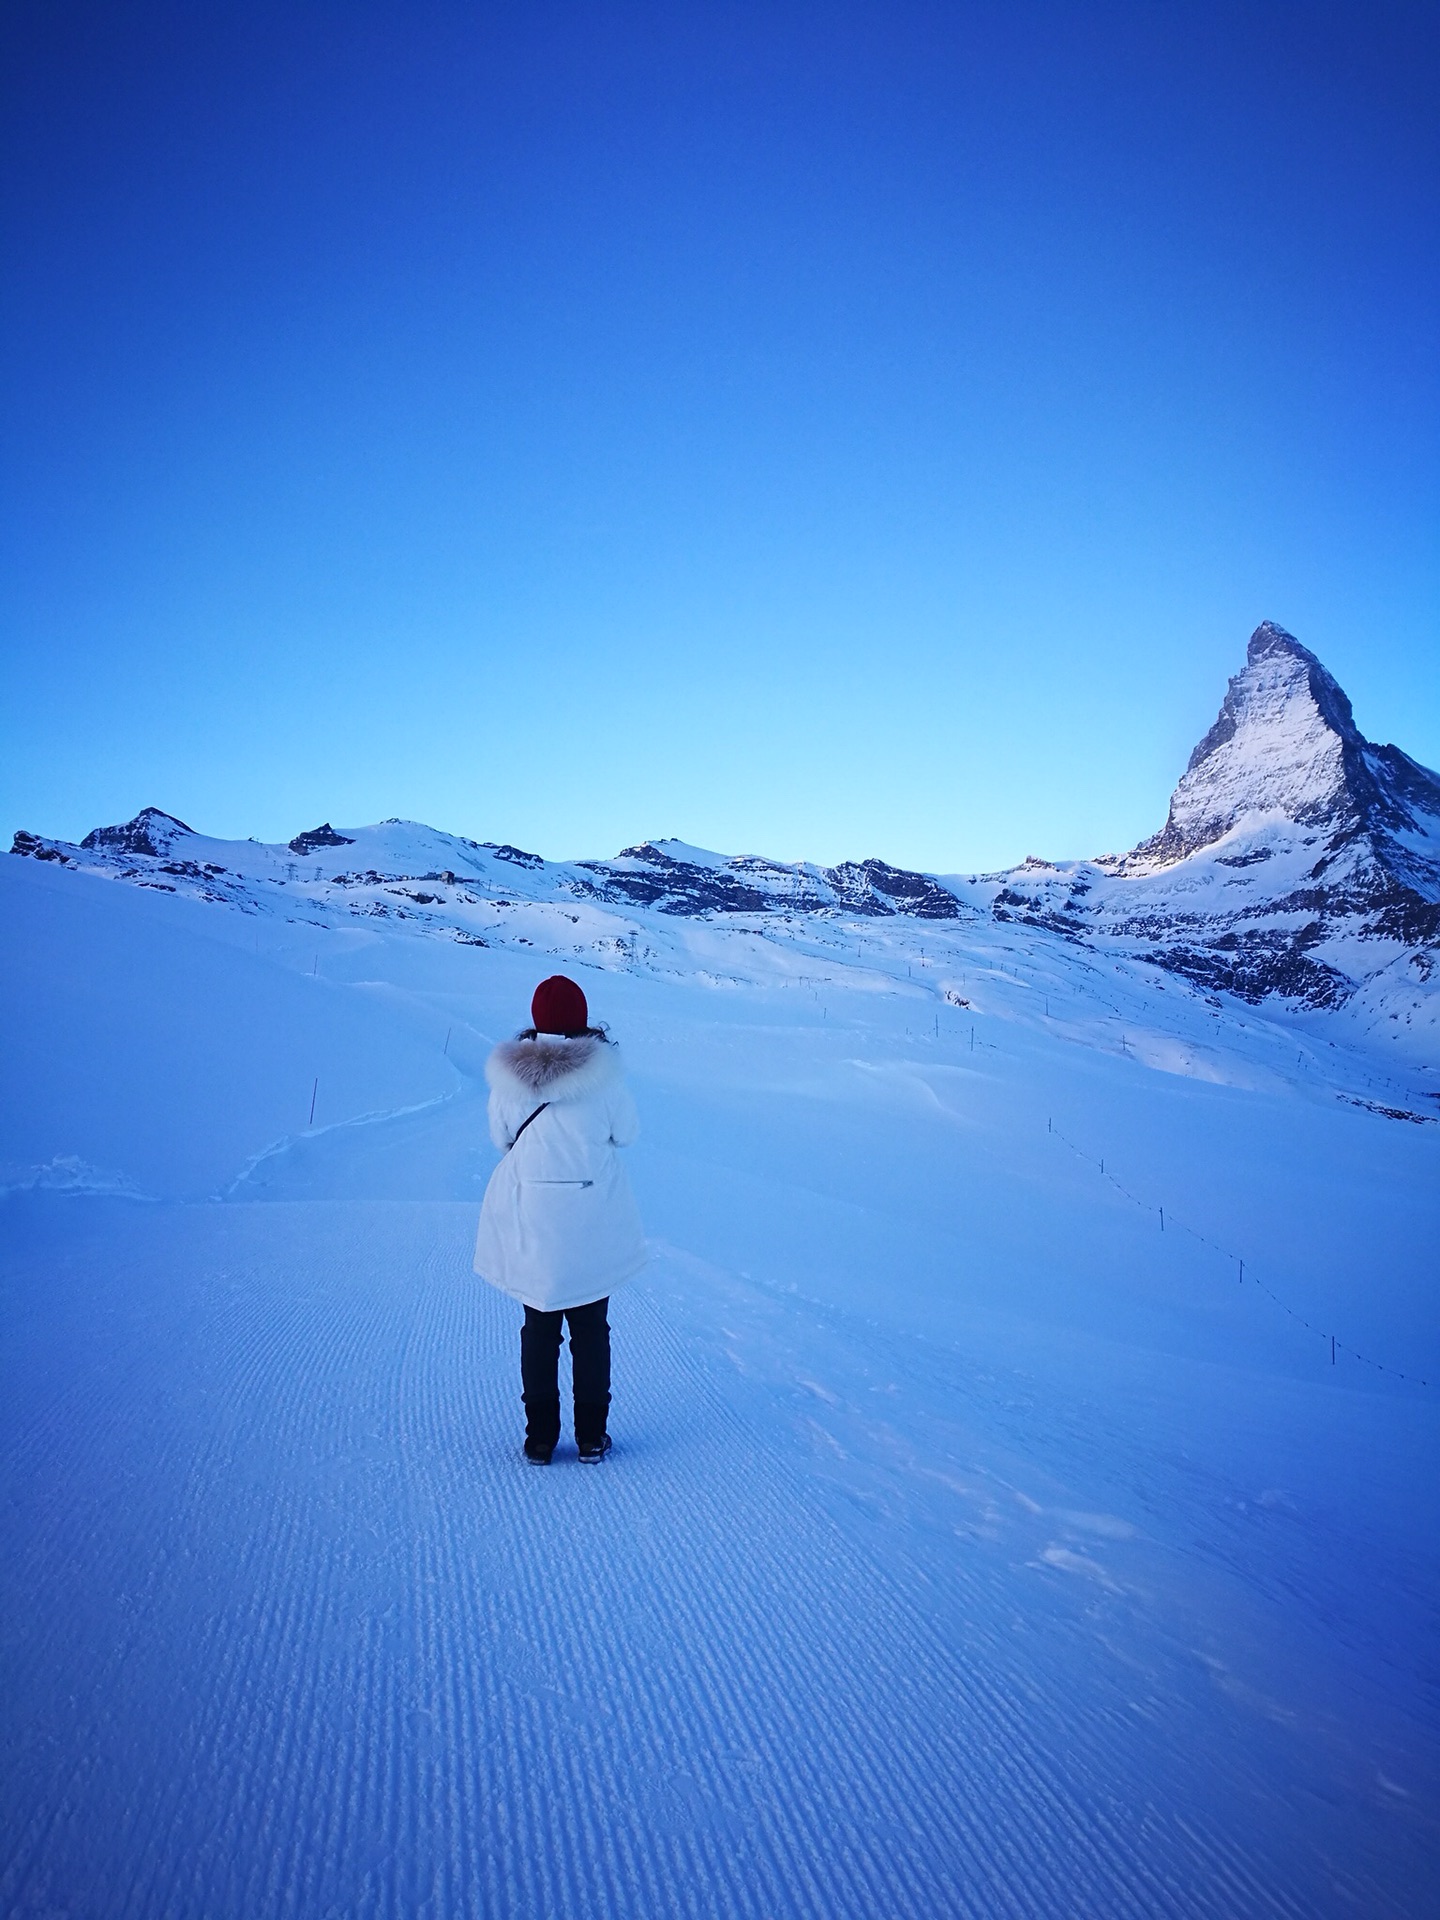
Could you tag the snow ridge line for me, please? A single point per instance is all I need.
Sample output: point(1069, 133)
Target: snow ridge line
point(1171, 1220)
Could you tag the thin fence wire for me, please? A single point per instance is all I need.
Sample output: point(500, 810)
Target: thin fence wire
point(1170, 1224)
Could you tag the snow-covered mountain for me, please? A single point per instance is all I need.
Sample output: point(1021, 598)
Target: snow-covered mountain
point(1298, 860)
point(666, 875)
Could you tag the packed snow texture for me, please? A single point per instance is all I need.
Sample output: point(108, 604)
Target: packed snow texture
point(981, 1537)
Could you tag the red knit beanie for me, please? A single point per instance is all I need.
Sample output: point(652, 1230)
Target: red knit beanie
point(559, 1006)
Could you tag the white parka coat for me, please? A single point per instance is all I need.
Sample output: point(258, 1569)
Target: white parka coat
point(559, 1226)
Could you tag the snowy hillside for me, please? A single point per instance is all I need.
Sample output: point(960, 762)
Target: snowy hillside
point(1024, 1495)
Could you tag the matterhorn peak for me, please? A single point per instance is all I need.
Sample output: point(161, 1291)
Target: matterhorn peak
point(1284, 744)
point(1297, 855)
point(1268, 638)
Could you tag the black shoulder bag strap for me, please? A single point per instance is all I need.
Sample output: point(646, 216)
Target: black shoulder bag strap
point(525, 1123)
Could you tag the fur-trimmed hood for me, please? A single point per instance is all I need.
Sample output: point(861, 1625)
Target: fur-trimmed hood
point(550, 1067)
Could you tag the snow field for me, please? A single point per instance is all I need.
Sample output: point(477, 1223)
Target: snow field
point(971, 1545)
point(303, 1637)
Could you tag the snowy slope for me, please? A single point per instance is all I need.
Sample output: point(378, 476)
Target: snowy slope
point(156, 1056)
point(980, 1539)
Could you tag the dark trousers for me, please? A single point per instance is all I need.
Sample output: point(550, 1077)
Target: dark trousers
point(589, 1363)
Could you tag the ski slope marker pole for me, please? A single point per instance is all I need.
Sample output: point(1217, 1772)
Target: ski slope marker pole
point(448, 1032)
point(313, 1091)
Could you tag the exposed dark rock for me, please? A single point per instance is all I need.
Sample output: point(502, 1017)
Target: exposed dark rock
point(516, 855)
point(1256, 966)
point(747, 884)
point(1389, 1113)
point(150, 832)
point(32, 847)
point(676, 886)
point(323, 836)
point(873, 887)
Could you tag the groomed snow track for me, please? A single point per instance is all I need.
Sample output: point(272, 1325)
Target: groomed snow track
point(293, 1632)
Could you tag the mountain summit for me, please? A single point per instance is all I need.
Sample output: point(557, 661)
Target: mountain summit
point(1298, 858)
point(1285, 747)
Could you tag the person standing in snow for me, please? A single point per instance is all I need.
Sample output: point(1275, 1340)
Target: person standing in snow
point(559, 1229)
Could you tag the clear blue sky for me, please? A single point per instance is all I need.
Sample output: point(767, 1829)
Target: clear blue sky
point(822, 430)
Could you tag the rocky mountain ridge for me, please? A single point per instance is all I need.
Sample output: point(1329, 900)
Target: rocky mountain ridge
point(665, 876)
point(678, 879)
point(1297, 859)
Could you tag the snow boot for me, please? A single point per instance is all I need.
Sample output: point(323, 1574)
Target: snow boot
point(591, 1439)
point(542, 1427)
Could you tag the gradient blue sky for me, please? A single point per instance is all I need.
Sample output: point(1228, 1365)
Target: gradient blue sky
point(824, 430)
